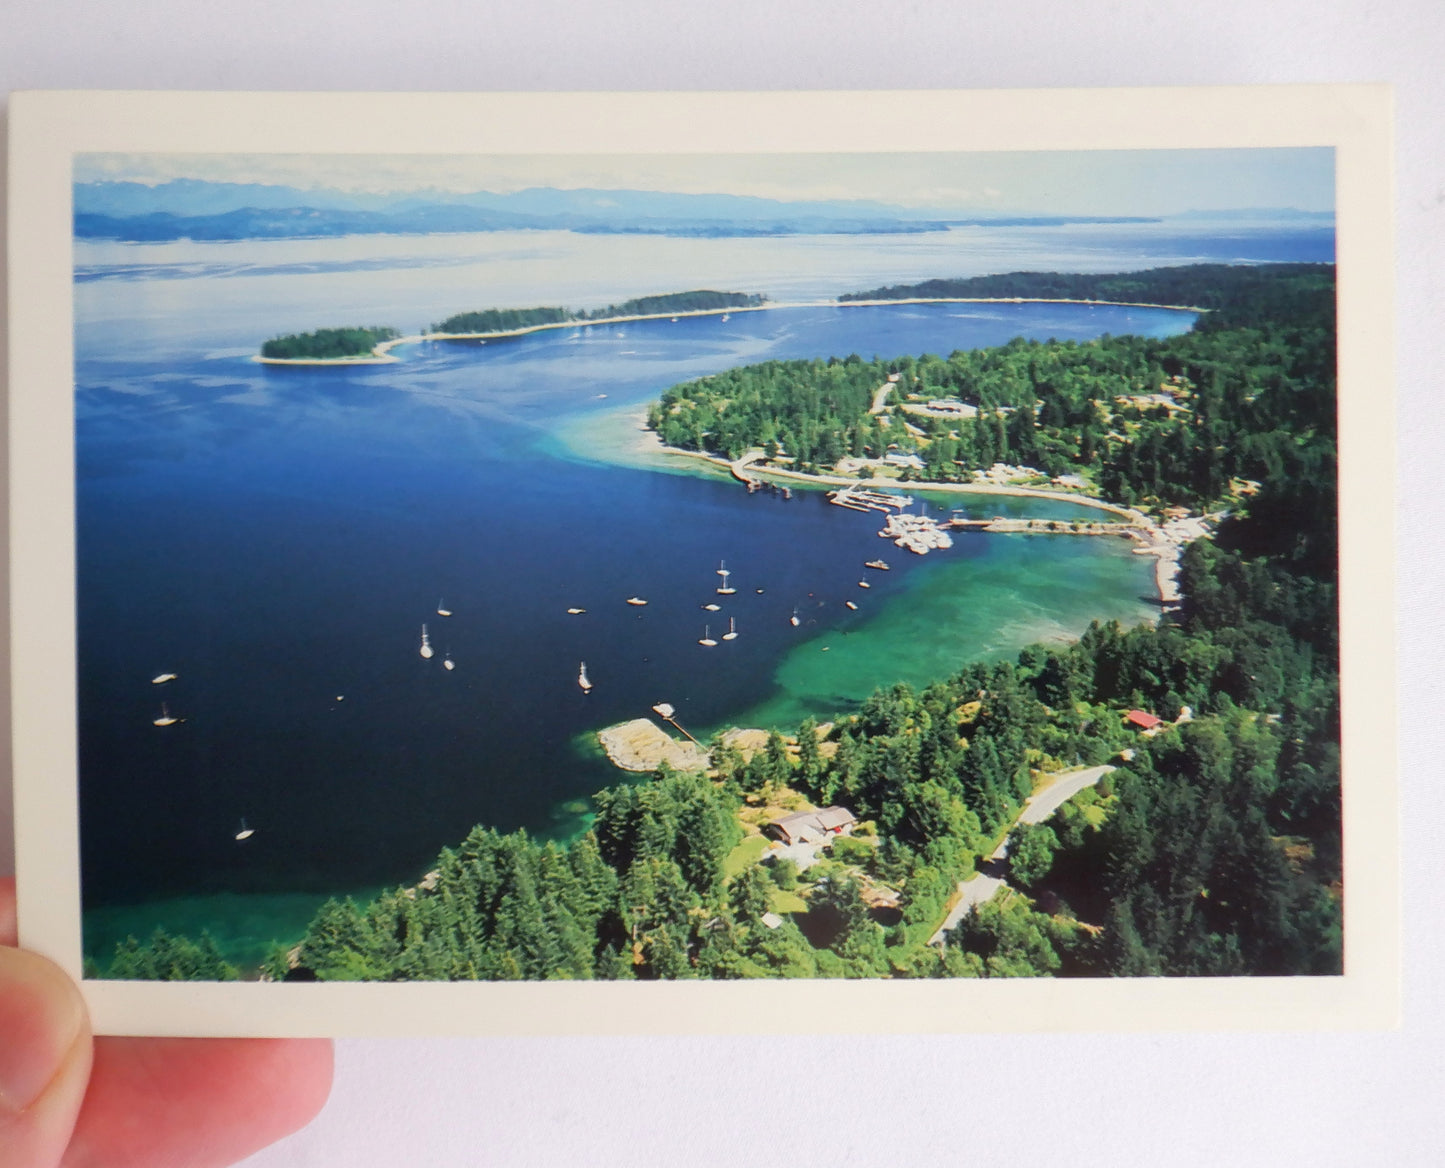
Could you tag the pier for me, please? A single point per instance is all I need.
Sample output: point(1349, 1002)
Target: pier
point(739, 469)
point(857, 498)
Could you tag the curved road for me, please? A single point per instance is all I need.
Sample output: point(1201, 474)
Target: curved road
point(983, 884)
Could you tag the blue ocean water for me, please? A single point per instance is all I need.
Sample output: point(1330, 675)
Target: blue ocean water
point(277, 537)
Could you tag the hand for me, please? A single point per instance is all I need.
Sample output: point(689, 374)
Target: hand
point(135, 1102)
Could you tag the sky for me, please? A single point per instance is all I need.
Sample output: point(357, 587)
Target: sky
point(1105, 182)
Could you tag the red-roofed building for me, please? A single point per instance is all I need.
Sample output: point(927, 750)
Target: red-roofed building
point(1143, 719)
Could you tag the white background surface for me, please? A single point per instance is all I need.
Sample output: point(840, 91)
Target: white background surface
point(1241, 1099)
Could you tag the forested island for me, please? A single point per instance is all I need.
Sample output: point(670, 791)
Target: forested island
point(1213, 848)
point(328, 344)
point(498, 320)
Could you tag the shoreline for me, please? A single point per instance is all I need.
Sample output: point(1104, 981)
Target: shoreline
point(381, 354)
point(1165, 542)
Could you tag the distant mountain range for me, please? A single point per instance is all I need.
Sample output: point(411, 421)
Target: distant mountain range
point(193, 209)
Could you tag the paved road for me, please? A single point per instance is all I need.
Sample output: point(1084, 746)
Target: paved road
point(1039, 806)
point(985, 883)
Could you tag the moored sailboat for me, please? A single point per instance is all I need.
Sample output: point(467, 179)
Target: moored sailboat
point(426, 649)
point(706, 638)
point(732, 633)
point(582, 679)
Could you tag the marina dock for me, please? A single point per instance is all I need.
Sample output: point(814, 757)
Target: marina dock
point(857, 498)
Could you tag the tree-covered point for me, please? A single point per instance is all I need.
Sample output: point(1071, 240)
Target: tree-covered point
point(500, 320)
point(1240, 292)
point(328, 344)
point(1248, 394)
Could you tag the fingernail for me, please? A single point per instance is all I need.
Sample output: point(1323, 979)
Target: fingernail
point(41, 1016)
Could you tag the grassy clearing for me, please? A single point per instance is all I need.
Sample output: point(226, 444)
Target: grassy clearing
point(744, 855)
point(783, 901)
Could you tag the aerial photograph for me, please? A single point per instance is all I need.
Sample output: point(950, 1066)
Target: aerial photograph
point(707, 566)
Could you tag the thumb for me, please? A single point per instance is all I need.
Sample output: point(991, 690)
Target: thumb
point(45, 1052)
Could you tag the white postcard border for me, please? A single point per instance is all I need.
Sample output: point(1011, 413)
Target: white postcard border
point(48, 129)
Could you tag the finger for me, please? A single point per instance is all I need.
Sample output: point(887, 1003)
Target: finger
point(199, 1102)
point(7, 910)
point(45, 1054)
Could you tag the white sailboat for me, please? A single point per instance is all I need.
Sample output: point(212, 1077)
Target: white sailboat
point(582, 679)
point(447, 662)
point(246, 832)
point(166, 718)
point(442, 609)
point(706, 638)
point(793, 620)
point(426, 649)
point(725, 588)
point(732, 633)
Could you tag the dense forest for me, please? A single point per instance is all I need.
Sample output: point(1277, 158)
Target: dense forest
point(497, 320)
point(1212, 849)
point(1173, 421)
point(328, 344)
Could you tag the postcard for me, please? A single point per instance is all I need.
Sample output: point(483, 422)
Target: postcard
point(705, 562)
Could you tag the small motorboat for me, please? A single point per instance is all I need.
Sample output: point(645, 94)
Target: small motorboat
point(575, 611)
point(793, 620)
point(636, 600)
point(712, 607)
point(162, 678)
point(851, 605)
